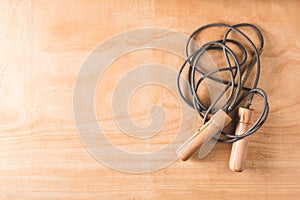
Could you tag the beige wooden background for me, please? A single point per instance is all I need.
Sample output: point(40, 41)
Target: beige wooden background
point(42, 46)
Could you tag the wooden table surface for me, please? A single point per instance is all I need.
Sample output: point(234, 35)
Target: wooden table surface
point(43, 45)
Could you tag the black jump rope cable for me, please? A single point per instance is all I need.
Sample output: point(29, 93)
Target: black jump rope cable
point(238, 93)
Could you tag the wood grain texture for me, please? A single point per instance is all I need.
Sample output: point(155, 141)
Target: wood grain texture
point(43, 44)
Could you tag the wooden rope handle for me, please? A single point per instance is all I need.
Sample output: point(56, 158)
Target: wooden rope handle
point(218, 121)
point(239, 148)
